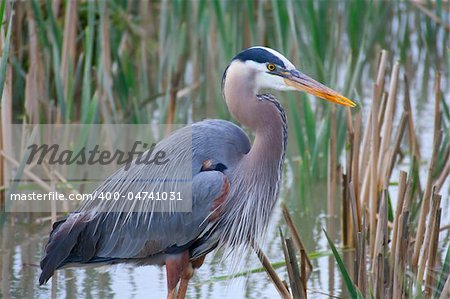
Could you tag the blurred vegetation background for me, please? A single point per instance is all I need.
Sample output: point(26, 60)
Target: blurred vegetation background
point(162, 61)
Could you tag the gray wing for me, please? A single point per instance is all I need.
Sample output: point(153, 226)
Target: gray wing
point(164, 232)
point(100, 233)
point(187, 149)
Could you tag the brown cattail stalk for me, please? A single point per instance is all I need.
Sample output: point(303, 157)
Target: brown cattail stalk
point(398, 210)
point(279, 285)
point(373, 204)
point(373, 194)
point(303, 272)
point(382, 107)
point(362, 270)
point(332, 165)
point(34, 81)
point(444, 175)
point(296, 238)
point(346, 220)
point(401, 249)
point(389, 116)
point(355, 166)
point(429, 282)
point(356, 218)
point(106, 99)
point(429, 231)
point(292, 268)
point(381, 234)
point(365, 150)
point(427, 194)
point(69, 43)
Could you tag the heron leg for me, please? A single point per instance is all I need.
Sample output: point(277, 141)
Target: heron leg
point(171, 294)
point(187, 275)
point(175, 267)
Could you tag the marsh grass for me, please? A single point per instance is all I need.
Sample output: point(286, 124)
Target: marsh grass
point(395, 251)
point(142, 62)
point(401, 246)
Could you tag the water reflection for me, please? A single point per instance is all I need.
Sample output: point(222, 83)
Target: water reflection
point(23, 236)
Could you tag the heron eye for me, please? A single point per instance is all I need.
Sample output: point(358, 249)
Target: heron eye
point(271, 67)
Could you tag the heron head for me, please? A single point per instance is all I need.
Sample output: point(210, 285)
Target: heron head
point(274, 71)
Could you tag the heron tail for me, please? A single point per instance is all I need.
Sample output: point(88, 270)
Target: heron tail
point(62, 240)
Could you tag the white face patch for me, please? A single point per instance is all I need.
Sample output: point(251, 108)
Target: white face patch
point(265, 80)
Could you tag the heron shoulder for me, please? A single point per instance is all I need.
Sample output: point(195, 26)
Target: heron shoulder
point(221, 132)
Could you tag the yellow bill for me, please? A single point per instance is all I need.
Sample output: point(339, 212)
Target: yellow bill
point(300, 81)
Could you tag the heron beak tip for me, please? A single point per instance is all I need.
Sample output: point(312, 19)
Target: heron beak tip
point(302, 82)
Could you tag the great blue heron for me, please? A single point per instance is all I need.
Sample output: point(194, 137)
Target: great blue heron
point(234, 183)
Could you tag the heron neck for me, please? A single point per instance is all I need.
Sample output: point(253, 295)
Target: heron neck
point(269, 146)
point(261, 113)
point(255, 181)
